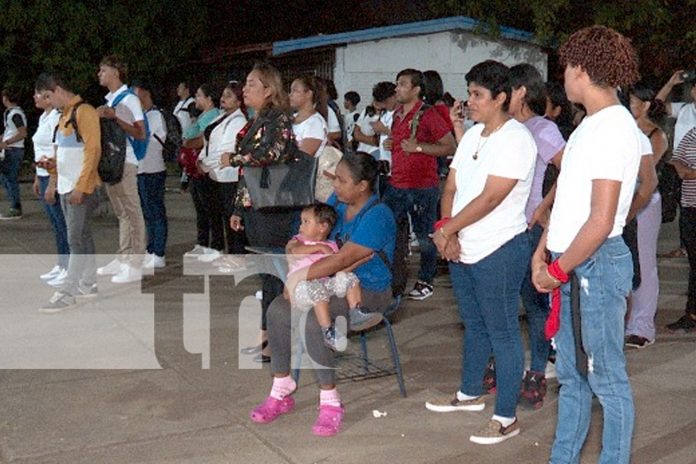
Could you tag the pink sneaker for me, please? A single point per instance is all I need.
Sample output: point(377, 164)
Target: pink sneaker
point(271, 408)
point(329, 421)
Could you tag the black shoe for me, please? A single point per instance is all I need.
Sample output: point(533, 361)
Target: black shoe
point(685, 323)
point(262, 359)
point(254, 349)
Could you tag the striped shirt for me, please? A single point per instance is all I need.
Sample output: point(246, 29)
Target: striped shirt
point(686, 153)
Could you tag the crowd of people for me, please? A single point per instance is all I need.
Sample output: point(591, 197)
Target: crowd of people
point(529, 190)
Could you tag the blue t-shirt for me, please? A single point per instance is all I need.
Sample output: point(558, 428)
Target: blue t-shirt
point(373, 227)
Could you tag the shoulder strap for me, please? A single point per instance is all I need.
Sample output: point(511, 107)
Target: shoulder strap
point(415, 122)
point(119, 98)
point(72, 121)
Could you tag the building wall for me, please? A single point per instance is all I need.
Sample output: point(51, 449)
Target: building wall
point(359, 66)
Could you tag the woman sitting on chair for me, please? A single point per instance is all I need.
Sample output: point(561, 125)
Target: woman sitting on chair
point(367, 231)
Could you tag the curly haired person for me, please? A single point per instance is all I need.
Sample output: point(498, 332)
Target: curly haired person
point(593, 197)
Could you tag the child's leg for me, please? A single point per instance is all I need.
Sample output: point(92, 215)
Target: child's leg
point(354, 296)
point(321, 310)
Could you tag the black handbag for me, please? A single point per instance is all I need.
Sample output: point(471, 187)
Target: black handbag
point(286, 185)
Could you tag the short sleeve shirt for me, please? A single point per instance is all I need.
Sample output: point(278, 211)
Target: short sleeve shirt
point(130, 111)
point(153, 161)
point(314, 127)
point(415, 170)
point(509, 152)
point(605, 146)
point(374, 228)
point(686, 153)
point(549, 142)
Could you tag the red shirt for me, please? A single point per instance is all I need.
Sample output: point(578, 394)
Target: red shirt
point(413, 169)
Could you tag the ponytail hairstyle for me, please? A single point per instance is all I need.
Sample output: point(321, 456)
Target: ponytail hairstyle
point(657, 111)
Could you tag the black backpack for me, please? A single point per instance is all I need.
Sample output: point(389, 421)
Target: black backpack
point(113, 147)
point(172, 142)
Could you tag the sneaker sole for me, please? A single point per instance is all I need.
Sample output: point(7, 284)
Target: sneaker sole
point(420, 297)
point(449, 408)
point(367, 324)
point(55, 310)
point(493, 440)
point(639, 347)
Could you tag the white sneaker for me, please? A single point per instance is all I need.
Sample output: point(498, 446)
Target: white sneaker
point(128, 274)
point(209, 255)
point(197, 251)
point(52, 274)
point(58, 280)
point(152, 261)
point(113, 268)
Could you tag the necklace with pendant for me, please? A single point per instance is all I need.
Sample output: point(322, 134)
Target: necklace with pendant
point(480, 145)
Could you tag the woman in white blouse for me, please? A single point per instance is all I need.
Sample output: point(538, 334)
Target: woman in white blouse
point(311, 132)
point(220, 142)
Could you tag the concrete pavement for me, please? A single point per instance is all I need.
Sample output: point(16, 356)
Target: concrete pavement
point(148, 375)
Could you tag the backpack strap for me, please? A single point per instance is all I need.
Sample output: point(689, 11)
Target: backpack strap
point(72, 121)
point(415, 122)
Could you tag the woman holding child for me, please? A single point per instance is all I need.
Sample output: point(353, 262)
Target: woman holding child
point(367, 231)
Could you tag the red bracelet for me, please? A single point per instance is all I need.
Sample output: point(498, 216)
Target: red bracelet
point(441, 223)
point(557, 273)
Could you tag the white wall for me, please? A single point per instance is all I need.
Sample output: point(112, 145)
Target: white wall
point(360, 66)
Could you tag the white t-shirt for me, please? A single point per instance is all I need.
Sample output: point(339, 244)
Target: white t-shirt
point(11, 128)
point(43, 138)
point(367, 129)
point(509, 152)
point(182, 113)
point(223, 139)
point(349, 122)
point(605, 145)
point(314, 127)
point(387, 118)
point(686, 120)
point(153, 161)
point(130, 111)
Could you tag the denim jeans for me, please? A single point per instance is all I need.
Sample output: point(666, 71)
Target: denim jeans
point(9, 172)
point(151, 191)
point(605, 282)
point(60, 230)
point(82, 266)
point(536, 306)
point(421, 204)
point(488, 299)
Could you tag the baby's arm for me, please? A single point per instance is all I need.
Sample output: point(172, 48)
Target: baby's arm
point(295, 247)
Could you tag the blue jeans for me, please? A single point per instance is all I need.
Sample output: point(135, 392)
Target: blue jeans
point(151, 191)
point(536, 306)
point(60, 231)
point(605, 282)
point(421, 204)
point(488, 299)
point(9, 172)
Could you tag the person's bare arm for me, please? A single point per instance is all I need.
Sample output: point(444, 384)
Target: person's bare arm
point(443, 147)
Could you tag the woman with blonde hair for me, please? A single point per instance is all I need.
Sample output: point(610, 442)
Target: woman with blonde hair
point(267, 138)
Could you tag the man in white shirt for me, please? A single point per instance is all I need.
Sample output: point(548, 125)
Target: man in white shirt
point(185, 109)
point(152, 175)
point(12, 147)
point(128, 114)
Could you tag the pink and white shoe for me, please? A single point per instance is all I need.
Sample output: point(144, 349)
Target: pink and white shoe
point(329, 421)
point(271, 408)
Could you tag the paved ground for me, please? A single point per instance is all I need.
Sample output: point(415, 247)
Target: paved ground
point(125, 379)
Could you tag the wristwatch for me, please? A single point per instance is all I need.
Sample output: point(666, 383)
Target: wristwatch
point(419, 149)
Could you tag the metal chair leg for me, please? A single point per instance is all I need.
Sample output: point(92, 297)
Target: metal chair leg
point(395, 357)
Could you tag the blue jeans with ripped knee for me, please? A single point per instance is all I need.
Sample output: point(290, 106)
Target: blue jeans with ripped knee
point(605, 281)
